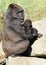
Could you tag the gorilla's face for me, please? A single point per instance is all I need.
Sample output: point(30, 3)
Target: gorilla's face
point(14, 16)
point(17, 12)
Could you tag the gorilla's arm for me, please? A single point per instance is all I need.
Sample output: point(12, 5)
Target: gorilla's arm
point(21, 31)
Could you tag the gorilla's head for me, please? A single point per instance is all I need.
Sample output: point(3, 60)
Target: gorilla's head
point(28, 23)
point(16, 12)
point(14, 16)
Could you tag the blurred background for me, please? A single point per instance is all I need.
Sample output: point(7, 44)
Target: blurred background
point(34, 9)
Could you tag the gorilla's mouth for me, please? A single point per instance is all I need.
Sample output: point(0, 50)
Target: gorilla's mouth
point(22, 19)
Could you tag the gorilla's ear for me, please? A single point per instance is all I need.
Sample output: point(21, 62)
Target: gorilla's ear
point(12, 5)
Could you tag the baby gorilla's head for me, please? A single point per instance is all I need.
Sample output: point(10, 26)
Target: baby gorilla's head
point(28, 23)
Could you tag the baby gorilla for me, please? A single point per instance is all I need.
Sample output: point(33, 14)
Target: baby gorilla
point(32, 32)
point(32, 35)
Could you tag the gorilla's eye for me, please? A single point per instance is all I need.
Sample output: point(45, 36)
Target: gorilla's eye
point(20, 14)
point(19, 11)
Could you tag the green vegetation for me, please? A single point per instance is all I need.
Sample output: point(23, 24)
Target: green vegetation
point(34, 9)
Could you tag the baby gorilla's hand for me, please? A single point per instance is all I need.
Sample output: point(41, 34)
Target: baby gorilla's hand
point(39, 35)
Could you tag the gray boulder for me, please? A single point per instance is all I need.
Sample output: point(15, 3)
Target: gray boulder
point(39, 46)
point(25, 61)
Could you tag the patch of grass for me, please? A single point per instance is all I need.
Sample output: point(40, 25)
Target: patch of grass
point(1, 26)
point(34, 9)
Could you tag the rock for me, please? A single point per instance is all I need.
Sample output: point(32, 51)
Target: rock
point(25, 61)
point(39, 46)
